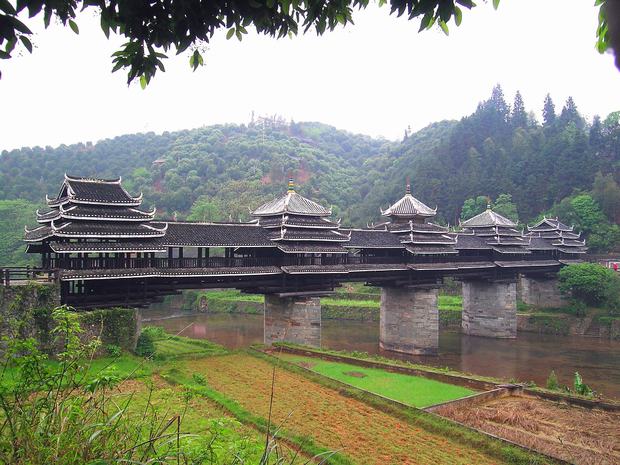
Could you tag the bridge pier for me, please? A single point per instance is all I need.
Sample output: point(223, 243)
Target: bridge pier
point(541, 291)
point(292, 319)
point(409, 320)
point(490, 308)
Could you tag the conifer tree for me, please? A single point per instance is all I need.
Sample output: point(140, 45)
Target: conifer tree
point(518, 118)
point(548, 111)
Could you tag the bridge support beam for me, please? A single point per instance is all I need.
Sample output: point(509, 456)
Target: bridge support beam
point(541, 291)
point(490, 309)
point(292, 319)
point(409, 320)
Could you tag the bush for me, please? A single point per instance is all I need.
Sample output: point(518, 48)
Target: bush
point(113, 350)
point(552, 381)
point(580, 387)
point(145, 346)
point(590, 283)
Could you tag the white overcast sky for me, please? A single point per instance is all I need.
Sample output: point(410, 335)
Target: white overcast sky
point(376, 77)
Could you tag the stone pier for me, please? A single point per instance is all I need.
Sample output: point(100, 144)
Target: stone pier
point(541, 291)
point(409, 320)
point(490, 309)
point(292, 319)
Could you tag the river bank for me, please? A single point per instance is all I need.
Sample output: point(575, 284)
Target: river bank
point(358, 306)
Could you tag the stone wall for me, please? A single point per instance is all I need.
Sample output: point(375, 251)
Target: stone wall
point(292, 319)
point(490, 309)
point(26, 312)
point(541, 292)
point(409, 320)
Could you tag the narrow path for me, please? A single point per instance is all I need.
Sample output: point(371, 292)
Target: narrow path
point(361, 432)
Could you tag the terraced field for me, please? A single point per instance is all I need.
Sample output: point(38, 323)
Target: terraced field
point(359, 431)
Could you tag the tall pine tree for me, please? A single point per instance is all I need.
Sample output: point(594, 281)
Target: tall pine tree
point(548, 111)
point(518, 118)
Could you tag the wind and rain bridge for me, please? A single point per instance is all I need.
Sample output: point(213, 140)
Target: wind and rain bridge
point(105, 251)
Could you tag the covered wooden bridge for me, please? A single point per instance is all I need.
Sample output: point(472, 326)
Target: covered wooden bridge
point(106, 251)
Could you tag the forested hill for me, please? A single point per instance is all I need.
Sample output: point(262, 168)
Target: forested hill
point(562, 165)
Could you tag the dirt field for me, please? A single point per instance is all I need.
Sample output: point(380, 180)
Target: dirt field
point(361, 432)
point(571, 433)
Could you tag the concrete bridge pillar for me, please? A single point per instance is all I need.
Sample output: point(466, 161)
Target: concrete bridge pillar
point(541, 291)
point(490, 309)
point(292, 319)
point(409, 320)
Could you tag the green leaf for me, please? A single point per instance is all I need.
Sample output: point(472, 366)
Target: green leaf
point(495, 4)
point(458, 15)
point(444, 27)
point(6, 6)
point(426, 21)
point(4, 55)
point(143, 81)
point(74, 26)
point(230, 33)
point(26, 43)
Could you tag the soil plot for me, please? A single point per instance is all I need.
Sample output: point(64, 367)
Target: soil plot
point(572, 433)
point(359, 431)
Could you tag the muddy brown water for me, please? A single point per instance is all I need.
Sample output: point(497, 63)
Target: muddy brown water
point(530, 357)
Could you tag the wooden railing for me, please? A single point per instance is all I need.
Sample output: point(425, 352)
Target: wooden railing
point(17, 274)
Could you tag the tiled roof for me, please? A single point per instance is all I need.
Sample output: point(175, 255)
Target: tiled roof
point(409, 206)
point(371, 267)
point(488, 218)
point(94, 191)
point(107, 230)
point(373, 239)
point(38, 234)
point(105, 212)
point(549, 224)
point(296, 234)
point(471, 242)
point(297, 221)
point(215, 235)
point(292, 203)
point(510, 249)
point(416, 227)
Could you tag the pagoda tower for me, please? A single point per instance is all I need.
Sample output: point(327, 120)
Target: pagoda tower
point(552, 234)
point(300, 226)
point(497, 231)
point(91, 215)
point(408, 220)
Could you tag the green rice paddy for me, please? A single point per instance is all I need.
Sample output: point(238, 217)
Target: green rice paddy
point(411, 390)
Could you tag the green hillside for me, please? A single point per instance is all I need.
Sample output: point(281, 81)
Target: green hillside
point(564, 165)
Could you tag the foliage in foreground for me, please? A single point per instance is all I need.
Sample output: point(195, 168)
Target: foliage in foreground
point(65, 413)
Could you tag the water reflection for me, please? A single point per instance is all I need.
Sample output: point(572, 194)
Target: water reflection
point(529, 357)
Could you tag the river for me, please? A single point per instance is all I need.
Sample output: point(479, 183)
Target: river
point(529, 357)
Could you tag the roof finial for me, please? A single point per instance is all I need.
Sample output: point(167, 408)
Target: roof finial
point(408, 188)
point(291, 185)
point(488, 202)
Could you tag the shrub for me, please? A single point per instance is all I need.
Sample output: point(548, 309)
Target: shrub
point(145, 346)
point(580, 387)
point(552, 381)
point(113, 350)
point(590, 283)
point(199, 379)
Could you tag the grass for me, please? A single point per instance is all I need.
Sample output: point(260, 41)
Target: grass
point(411, 390)
point(445, 302)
